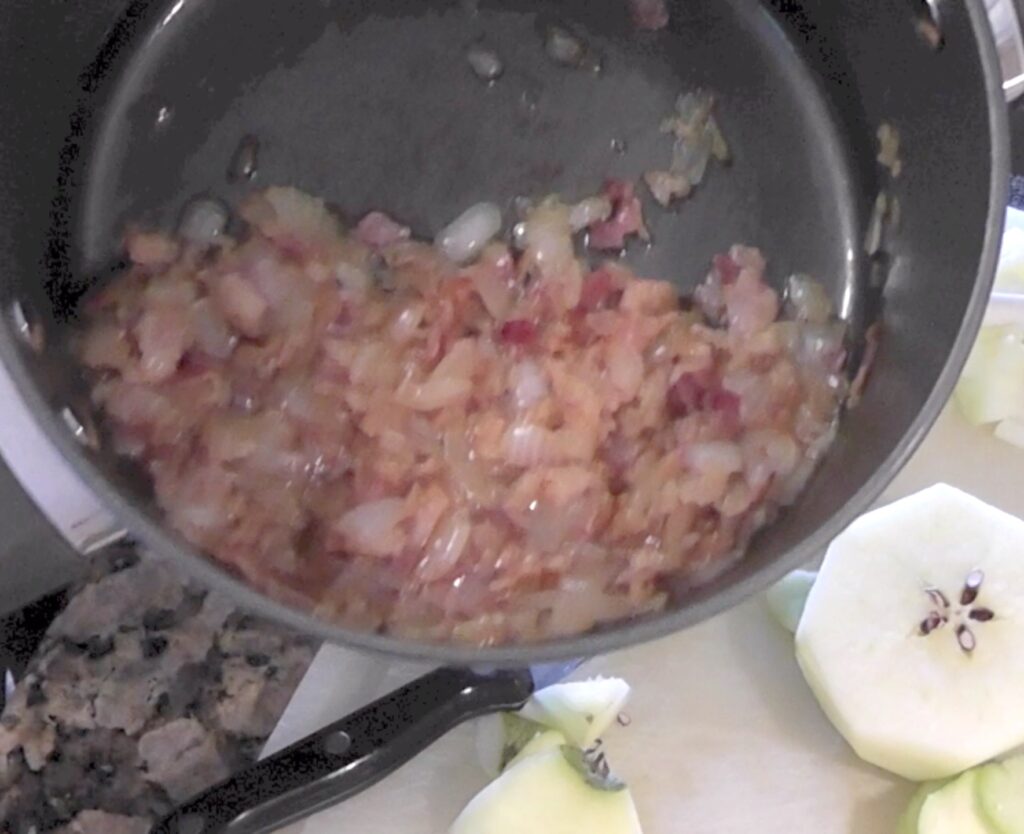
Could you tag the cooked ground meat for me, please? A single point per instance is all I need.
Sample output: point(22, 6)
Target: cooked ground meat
point(501, 452)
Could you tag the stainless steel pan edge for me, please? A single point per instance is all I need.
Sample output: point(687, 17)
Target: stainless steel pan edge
point(166, 545)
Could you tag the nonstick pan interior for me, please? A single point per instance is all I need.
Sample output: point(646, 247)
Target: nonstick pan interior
point(372, 104)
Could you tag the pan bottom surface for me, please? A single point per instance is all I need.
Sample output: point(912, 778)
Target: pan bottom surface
point(372, 104)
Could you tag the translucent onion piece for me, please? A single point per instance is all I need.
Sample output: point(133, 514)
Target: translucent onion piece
point(666, 186)
point(528, 384)
point(563, 47)
point(372, 527)
point(589, 211)
point(693, 108)
point(213, 335)
point(203, 221)
point(444, 551)
point(690, 157)
point(889, 149)
point(719, 147)
point(807, 300)
point(463, 238)
point(485, 63)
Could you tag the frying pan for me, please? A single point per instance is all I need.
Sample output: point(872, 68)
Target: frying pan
point(116, 112)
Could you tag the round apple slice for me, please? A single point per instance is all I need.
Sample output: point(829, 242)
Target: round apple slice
point(555, 792)
point(911, 634)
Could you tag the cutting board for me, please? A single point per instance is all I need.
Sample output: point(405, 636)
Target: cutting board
point(724, 737)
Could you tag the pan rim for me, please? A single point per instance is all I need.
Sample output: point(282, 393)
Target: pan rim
point(164, 544)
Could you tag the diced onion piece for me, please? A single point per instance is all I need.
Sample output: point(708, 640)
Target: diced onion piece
point(464, 238)
point(589, 211)
point(485, 63)
point(446, 548)
point(719, 147)
point(878, 224)
point(666, 186)
point(822, 345)
point(373, 528)
point(807, 299)
point(690, 157)
point(528, 384)
point(203, 221)
point(491, 277)
point(547, 235)
point(407, 323)
point(472, 476)
point(889, 149)
point(563, 47)
point(693, 109)
point(352, 278)
point(213, 335)
point(528, 445)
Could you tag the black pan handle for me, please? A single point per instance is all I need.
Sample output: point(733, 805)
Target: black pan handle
point(348, 756)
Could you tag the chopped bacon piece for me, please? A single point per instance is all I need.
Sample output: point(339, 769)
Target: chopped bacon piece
point(627, 218)
point(649, 14)
point(377, 230)
point(518, 332)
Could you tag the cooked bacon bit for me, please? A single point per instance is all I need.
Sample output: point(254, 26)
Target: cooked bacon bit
point(692, 392)
point(518, 332)
point(872, 340)
point(627, 218)
point(725, 268)
point(685, 394)
point(600, 291)
point(702, 391)
point(377, 230)
point(727, 406)
point(649, 14)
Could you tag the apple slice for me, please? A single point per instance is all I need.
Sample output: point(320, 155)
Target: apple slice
point(954, 809)
point(555, 792)
point(1001, 795)
point(991, 387)
point(911, 637)
point(787, 597)
point(908, 822)
point(540, 743)
point(580, 710)
point(500, 738)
